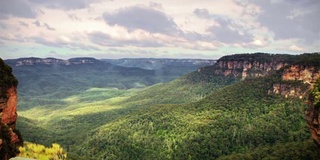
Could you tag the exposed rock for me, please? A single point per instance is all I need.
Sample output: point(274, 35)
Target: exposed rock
point(10, 138)
point(313, 113)
point(249, 65)
point(307, 74)
point(9, 112)
point(303, 68)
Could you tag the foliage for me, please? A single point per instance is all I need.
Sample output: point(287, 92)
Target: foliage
point(37, 151)
point(235, 119)
point(315, 94)
point(307, 59)
point(260, 57)
point(7, 79)
point(7, 148)
point(285, 151)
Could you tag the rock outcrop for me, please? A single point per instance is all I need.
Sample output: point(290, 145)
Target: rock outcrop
point(249, 65)
point(306, 74)
point(313, 113)
point(10, 137)
point(291, 69)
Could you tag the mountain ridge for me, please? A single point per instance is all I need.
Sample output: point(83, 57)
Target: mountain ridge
point(288, 68)
point(158, 63)
point(50, 61)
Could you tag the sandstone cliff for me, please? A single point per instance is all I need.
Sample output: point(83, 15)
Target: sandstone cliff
point(313, 113)
point(10, 138)
point(291, 69)
point(249, 65)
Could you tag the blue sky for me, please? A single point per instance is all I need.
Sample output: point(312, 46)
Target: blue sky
point(158, 29)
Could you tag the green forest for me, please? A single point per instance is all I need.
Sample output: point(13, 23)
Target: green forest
point(196, 116)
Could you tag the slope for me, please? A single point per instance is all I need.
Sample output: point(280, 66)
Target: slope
point(235, 119)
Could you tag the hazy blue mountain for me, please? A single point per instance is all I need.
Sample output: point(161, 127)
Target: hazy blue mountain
point(157, 63)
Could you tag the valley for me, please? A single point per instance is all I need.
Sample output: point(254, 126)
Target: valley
point(244, 106)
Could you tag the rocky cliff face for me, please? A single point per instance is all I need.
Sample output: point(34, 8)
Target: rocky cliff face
point(306, 74)
point(300, 68)
point(243, 68)
point(313, 113)
point(10, 137)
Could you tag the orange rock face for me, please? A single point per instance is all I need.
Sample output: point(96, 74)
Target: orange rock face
point(312, 114)
point(9, 112)
point(244, 68)
point(313, 120)
point(308, 75)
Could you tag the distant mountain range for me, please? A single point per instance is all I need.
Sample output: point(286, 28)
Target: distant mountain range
point(47, 74)
point(144, 63)
point(154, 63)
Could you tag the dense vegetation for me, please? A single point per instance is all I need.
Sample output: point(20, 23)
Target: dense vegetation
point(232, 120)
point(314, 96)
point(310, 59)
point(7, 79)
point(197, 116)
point(7, 148)
point(38, 151)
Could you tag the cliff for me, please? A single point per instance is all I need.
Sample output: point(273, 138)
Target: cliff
point(10, 137)
point(249, 65)
point(313, 113)
point(291, 69)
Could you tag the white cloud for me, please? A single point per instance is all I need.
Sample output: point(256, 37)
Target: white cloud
point(296, 48)
point(142, 17)
point(201, 28)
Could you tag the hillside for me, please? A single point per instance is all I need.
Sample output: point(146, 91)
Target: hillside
point(235, 119)
point(214, 112)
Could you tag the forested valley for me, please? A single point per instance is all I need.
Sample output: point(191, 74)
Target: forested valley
point(224, 111)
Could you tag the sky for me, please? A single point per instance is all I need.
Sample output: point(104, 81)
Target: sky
point(206, 29)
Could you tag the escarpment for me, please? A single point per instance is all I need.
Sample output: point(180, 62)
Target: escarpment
point(10, 137)
point(246, 67)
point(292, 70)
point(312, 114)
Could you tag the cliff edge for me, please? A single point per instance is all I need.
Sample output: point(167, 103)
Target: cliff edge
point(313, 113)
point(292, 70)
point(10, 137)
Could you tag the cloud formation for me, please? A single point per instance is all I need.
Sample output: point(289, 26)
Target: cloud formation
point(65, 4)
point(145, 18)
point(291, 19)
point(16, 8)
point(166, 28)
